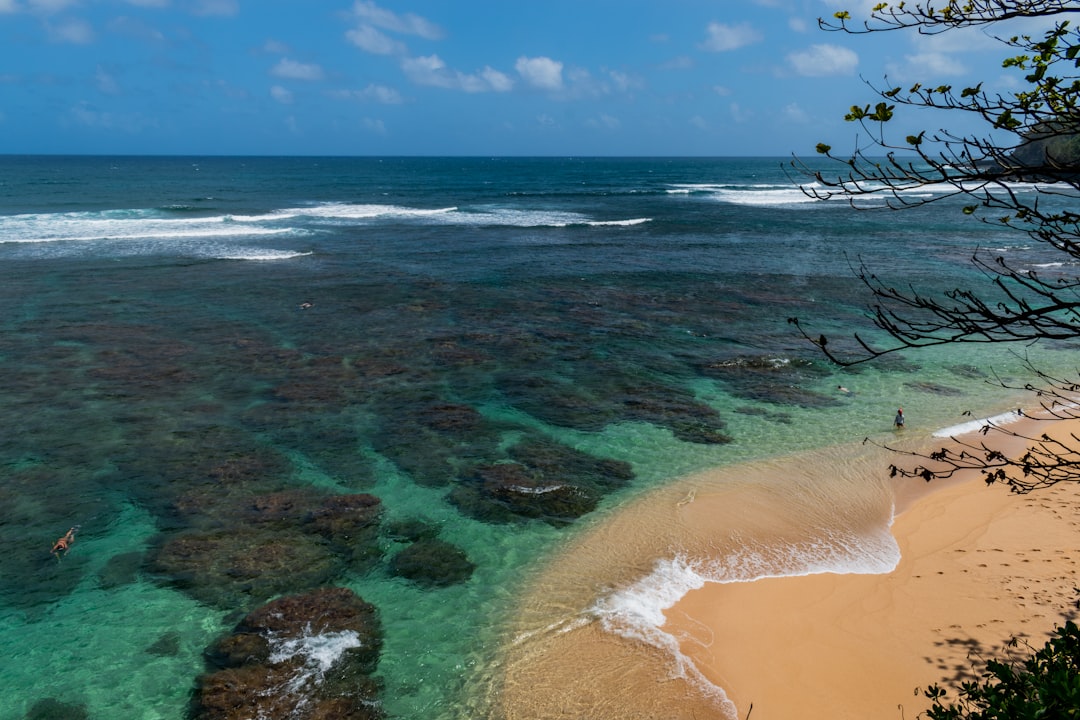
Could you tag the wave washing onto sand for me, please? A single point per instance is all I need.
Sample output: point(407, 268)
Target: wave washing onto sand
point(636, 612)
point(977, 425)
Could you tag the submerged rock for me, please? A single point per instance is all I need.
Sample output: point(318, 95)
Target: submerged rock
point(432, 563)
point(303, 657)
point(52, 709)
point(229, 568)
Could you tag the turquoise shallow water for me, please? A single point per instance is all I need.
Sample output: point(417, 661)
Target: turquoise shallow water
point(600, 325)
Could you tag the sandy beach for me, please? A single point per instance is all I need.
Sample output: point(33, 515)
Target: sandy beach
point(977, 566)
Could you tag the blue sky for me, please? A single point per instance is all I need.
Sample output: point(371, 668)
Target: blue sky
point(451, 77)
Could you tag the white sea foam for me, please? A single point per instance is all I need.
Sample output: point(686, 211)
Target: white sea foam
point(317, 654)
point(527, 218)
point(873, 193)
point(976, 425)
point(121, 225)
point(347, 211)
point(258, 254)
point(636, 611)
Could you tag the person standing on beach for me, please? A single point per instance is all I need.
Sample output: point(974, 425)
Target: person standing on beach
point(899, 421)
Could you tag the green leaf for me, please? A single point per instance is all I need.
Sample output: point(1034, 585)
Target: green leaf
point(823, 149)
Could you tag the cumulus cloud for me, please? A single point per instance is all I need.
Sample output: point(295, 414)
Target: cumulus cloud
point(409, 24)
point(8, 6)
point(498, 81)
point(431, 70)
point(369, 39)
point(282, 95)
point(540, 72)
point(294, 70)
point(722, 38)
point(824, 61)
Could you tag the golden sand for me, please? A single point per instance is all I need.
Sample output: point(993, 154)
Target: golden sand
point(977, 566)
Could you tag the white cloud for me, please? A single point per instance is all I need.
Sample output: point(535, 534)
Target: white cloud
point(76, 32)
point(85, 114)
point(375, 126)
point(218, 8)
point(383, 94)
point(541, 72)
point(929, 64)
point(794, 113)
point(699, 122)
point(105, 82)
point(8, 6)
point(624, 82)
point(682, 62)
point(48, 7)
point(132, 27)
point(294, 70)
point(282, 95)
point(723, 37)
point(721, 90)
point(739, 114)
point(796, 24)
point(824, 61)
point(370, 40)
point(604, 122)
point(149, 3)
point(431, 70)
point(376, 93)
point(275, 47)
point(498, 81)
point(408, 24)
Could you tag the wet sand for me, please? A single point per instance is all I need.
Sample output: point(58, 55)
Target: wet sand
point(977, 566)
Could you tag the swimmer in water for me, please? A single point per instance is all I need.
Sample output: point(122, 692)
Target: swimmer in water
point(64, 543)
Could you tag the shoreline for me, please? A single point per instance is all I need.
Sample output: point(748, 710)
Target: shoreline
point(960, 570)
point(978, 566)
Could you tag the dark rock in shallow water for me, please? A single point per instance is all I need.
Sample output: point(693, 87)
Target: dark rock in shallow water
point(934, 389)
point(168, 645)
point(776, 380)
point(507, 491)
point(52, 709)
point(546, 481)
point(432, 563)
point(304, 657)
point(430, 439)
point(226, 569)
point(410, 530)
point(122, 569)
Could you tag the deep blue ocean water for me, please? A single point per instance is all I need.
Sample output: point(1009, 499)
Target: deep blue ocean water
point(204, 352)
